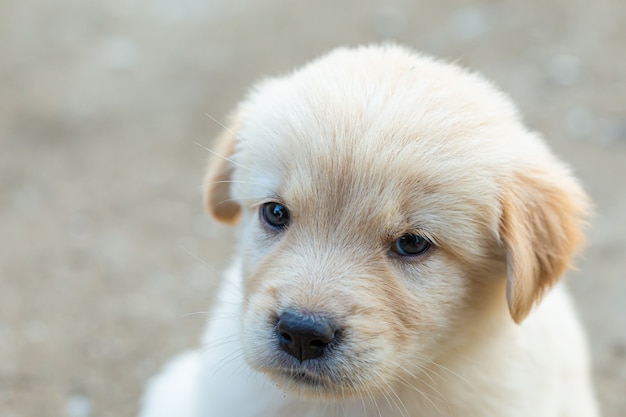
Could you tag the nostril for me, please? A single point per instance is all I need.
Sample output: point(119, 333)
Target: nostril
point(318, 343)
point(286, 337)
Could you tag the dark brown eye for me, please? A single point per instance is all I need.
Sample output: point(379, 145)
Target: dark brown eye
point(410, 245)
point(274, 215)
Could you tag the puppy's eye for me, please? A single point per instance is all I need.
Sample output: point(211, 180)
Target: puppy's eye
point(274, 215)
point(410, 245)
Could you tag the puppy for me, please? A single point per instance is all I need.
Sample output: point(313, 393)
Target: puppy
point(399, 227)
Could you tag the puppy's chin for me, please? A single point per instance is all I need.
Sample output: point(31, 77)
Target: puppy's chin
point(314, 380)
point(319, 387)
point(305, 384)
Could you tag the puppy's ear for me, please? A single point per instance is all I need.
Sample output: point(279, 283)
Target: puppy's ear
point(541, 226)
point(217, 181)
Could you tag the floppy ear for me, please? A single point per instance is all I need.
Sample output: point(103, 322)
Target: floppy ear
point(217, 181)
point(541, 226)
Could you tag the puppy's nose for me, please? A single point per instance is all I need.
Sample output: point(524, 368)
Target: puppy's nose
point(304, 336)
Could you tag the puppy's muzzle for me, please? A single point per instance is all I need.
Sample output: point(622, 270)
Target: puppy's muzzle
point(306, 336)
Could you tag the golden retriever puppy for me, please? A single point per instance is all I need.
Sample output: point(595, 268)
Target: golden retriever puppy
point(402, 236)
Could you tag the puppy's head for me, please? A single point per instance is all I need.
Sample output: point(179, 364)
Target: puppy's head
point(388, 205)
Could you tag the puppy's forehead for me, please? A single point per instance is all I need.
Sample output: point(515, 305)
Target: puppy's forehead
point(371, 99)
point(379, 124)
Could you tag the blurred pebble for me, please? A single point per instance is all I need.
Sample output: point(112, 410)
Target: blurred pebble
point(78, 405)
point(36, 331)
point(27, 198)
point(612, 131)
point(390, 22)
point(619, 350)
point(80, 226)
point(5, 334)
point(113, 249)
point(468, 23)
point(579, 122)
point(564, 70)
point(145, 369)
point(177, 11)
point(161, 277)
point(119, 53)
point(203, 227)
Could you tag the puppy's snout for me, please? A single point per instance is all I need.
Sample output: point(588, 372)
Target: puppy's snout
point(305, 336)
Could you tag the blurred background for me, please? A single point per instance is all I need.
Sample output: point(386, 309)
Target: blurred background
point(105, 249)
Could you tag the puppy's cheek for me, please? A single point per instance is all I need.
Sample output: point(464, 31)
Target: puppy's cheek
point(255, 246)
point(438, 290)
point(262, 287)
point(258, 336)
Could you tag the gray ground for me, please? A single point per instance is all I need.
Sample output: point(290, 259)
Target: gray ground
point(103, 237)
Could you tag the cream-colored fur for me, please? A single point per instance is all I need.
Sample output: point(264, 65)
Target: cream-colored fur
point(364, 146)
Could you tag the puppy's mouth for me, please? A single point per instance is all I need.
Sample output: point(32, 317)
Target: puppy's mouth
point(305, 378)
point(313, 385)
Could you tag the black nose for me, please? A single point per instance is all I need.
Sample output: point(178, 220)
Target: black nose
point(304, 336)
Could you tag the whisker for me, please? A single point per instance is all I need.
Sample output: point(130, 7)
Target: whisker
point(250, 373)
point(393, 391)
point(228, 200)
point(226, 158)
point(426, 371)
point(216, 271)
point(202, 261)
point(213, 344)
point(226, 128)
point(236, 182)
point(221, 364)
point(360, 394)
point(421, 380)
point(450, 371)
point(372, 398)
point(390, 401)
point(211, 315)
point(422, 393)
